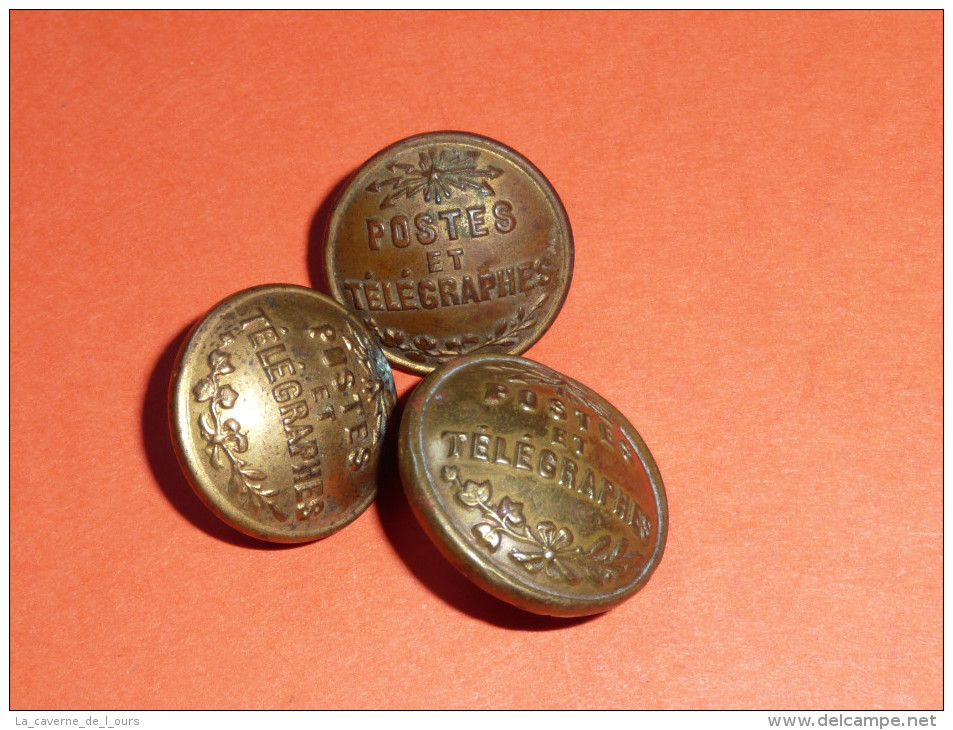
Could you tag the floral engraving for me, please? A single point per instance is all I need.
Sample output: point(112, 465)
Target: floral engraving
point(549, 548)
point(437, 174)
point(225, 440)
point(421, 348)
point(381, 396)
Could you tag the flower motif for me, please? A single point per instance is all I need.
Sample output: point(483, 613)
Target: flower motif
point(222, 445)
point(554, 543)
point(234, 439)
point(438, 172)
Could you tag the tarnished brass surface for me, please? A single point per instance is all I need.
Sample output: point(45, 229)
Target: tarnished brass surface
point(532, 485)
point(278, 406)
point(447, 244)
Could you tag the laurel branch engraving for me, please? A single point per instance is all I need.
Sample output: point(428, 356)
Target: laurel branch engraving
point(381, 396)
point(550, 549)
point(421, 348)
point(225, 440)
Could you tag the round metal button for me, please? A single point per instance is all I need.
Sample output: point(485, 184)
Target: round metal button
point(278, 406)
point(448, 244)
point(532, 485)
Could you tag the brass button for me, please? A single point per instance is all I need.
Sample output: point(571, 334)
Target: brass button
point(279, 403)
point(534, 486)
point(447, 244)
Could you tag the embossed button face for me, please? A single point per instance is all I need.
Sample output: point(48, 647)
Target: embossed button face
point(278, 407)
point(447, 244)
point(532, 485)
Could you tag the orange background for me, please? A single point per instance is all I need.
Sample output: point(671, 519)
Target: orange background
point(756, 203)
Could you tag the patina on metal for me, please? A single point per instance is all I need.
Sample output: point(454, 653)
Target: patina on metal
point(531, 484)
point(447, 244)
point(279, 403)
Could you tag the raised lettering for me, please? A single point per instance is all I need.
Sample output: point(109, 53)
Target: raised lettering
point(469, 291)
point(477, 222)
point(495, 393)
point(390, 299)
point(503, 212)
point(487, 282)
point(455, 254)
point(450, 218)
point(524, 455)
point(284, 392)
point(425, 291)
point(426, 233)
point(448, 292)
point(405, 293)
point(400, 231)
point(375, 233)
point(547, 464)
point(372, 293)
point(457, 439)
point(480, 447)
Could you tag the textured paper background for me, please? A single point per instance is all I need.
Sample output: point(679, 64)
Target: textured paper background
point(756, 203)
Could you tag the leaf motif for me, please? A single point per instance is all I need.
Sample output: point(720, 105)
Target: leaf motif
point(254, 475)
point(449, 473)
point(551, 551)
point(218, 362)
point(561, 570)
point(599, 546)
point(425, 343)
point(204, 390)
point(474, 493)
point(501, 328)
point(533, 562)
point(618, 549)
point(645, 527)
point(596, 573)
point(510, 511)
point(227, 397)
point(219, 460)
point(489, 534)
point(392, 337)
